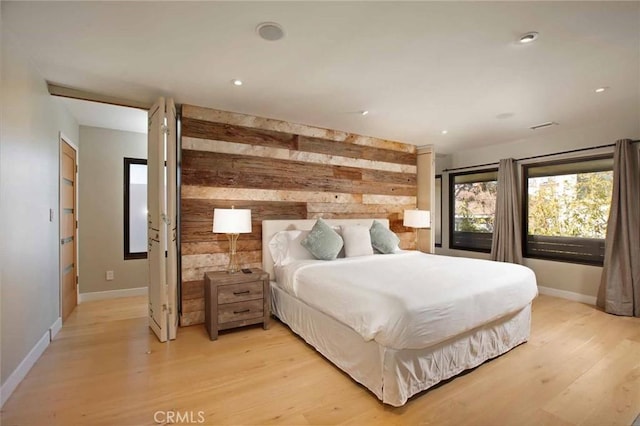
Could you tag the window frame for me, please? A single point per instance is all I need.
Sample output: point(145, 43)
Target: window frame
point(525, 212)
point(127, 254)
point(452, 211)
point(439, 244)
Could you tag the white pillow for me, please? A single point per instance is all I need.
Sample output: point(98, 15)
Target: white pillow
point(357, 240)
point(285, 247)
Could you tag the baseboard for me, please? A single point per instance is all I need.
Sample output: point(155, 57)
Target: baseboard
point(113, 294)
point(55, 328)
point(569, 295)
point(20, 373)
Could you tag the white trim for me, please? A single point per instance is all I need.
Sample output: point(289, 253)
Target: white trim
point(62, 136)
point(55, 328)
point(113, 294)
point(569, 295)
point(21, 371)
point(425, 149)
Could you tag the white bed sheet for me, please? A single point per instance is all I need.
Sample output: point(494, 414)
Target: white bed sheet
point(395, 375)
point(410, 300)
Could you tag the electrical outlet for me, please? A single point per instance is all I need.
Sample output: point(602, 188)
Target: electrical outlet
point(109, 275)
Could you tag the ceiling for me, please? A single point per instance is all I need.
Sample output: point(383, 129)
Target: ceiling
point(418, 67)
point(108, 116)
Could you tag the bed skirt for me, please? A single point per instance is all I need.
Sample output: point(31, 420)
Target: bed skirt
point(395, 375)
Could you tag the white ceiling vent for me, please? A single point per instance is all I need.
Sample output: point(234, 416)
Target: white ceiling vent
point(543, 125)
point(270, 31)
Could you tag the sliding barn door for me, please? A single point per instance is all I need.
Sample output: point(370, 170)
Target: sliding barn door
point(161, 232)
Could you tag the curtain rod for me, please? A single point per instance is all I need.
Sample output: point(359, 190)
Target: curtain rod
point(571, 151)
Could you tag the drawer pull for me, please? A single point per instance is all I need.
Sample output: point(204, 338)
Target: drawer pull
point(242, 312)
point(236, 293)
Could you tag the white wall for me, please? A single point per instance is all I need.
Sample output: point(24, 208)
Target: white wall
point(101, 198)
point(29, 249)
point(575, 278)
point(548, 142)
point(426, 182)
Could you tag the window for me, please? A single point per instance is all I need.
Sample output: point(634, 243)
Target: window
point(472, 209)
point(135, 208)
point(437, 212)
point(566, 209)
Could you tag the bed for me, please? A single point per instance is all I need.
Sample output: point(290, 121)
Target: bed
point(399, 323)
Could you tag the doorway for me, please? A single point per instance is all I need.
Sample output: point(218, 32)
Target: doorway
point(110, 137)
point(106, 135)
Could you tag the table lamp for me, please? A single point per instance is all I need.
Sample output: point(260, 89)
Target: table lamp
point(232, 222)
point(417, 219)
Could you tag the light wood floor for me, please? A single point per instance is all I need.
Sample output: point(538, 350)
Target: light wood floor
point(581, 366)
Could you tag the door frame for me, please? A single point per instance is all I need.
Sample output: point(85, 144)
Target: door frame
point(62, 138)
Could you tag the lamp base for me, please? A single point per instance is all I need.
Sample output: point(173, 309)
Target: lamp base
point(233, 267)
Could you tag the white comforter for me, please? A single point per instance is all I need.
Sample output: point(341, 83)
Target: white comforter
point(410, 300)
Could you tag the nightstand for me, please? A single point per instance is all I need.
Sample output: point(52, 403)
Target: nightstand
point(235, 300)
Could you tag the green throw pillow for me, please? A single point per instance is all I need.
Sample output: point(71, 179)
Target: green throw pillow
point(323, 242)
point(382, 239)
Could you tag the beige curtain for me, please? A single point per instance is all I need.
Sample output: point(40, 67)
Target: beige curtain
point(620, 283)
point(507, 237)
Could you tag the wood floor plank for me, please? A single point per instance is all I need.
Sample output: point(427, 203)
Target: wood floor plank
point(616, 373)
point(580, 367)
point(620, 406)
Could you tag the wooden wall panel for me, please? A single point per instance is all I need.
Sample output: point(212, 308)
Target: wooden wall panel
point(279, 170)
point(325, 146)
point(192, 127)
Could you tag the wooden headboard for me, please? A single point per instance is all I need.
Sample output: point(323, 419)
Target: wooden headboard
point(271, 227)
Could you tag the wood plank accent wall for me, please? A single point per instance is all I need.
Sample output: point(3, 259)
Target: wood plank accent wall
point(279, 170)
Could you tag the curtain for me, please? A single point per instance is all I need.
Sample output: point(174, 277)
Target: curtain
point(620, 283)
point(507, 237)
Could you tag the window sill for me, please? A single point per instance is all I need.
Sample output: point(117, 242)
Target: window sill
point(574, 261)
point(477, 250)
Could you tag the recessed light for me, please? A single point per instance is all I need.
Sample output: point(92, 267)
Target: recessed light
point(601, 89)
point(270, 31)
point(236, 82)
point(444, 132)
point(365, 112)
point(528, 37)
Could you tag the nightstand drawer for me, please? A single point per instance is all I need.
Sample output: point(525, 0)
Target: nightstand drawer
point(239, 292)
point(240, 311)
point(236, 300)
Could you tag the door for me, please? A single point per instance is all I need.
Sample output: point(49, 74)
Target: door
point(172, 224)
point(161, 232)
point(68, 228)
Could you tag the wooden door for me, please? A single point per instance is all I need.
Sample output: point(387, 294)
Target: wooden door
point(162, 224)
point(68, 229)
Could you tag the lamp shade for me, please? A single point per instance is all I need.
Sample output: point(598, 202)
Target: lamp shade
point(417, 218)
point(232, 221)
